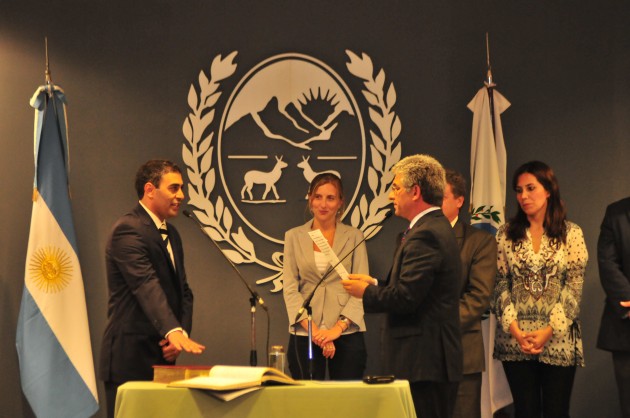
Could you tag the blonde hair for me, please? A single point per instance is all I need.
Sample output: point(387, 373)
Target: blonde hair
point(320, 180)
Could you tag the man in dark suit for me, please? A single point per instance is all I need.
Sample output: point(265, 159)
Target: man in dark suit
point(478, 253)
point(421, 340)
point(613, 256)
point(150, 304)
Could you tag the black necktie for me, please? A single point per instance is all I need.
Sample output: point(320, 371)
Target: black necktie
point(167, 242)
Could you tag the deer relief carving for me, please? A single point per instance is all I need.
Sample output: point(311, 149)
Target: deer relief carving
point(268, 178)
point(309, 173)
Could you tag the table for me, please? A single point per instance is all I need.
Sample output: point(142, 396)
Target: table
point(312, 399)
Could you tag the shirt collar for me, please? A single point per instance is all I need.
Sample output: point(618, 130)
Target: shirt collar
point(421, 214)
point(156, 220)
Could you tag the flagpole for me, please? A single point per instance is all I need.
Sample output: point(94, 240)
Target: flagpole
point(47, 72)
point(50, 93)
point(489, 83)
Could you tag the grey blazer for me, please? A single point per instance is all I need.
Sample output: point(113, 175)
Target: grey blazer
point(300, 276)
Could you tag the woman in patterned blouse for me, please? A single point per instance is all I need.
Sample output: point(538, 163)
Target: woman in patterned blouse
point(541, 262)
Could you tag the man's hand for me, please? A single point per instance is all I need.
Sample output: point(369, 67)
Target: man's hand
point(357, 284)
point(362, 277)
point(169, 352)
point(178, 342)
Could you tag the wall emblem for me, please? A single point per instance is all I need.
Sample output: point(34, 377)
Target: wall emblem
point(251, 157)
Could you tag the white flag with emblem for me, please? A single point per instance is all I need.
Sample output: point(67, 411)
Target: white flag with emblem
point(488, 161)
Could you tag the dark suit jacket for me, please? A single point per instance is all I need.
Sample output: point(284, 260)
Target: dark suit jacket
point(147, 297)
point(422, 340)
point(613, 256)
point(478, 253)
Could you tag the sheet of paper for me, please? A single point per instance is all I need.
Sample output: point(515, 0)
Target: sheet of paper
point(321, 242)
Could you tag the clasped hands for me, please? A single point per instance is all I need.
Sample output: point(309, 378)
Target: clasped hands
point(531, 342)
point(176, 342)
point(324, 338)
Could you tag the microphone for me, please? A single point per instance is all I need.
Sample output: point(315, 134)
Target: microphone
point(238, 273)
point(307, 301)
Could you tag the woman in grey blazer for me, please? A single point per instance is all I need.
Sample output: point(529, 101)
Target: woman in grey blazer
point(337, 319)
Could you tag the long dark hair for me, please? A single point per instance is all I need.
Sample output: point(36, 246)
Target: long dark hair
point(556, 214)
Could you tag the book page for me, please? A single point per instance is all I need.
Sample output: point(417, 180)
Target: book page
point(321, 242)
point(246, 373)
point(224, 378)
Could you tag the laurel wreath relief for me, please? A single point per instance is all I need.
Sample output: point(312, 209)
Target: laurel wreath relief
point(197, 153)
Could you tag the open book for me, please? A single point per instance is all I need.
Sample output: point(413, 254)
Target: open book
point(170, 373)
point(232, 378)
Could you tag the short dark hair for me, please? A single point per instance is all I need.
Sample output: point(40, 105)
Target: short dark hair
point(457, 182)
point(152, 172)
point(556, 215)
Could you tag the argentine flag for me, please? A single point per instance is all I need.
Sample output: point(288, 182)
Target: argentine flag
point(488, 161)
point(53, 339)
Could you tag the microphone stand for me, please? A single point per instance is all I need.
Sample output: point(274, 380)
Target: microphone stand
point(253, 357)
point(309, 315)
point(307, 302)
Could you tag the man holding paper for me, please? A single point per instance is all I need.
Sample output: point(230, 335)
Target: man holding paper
point(421, 340)
point(310, 251)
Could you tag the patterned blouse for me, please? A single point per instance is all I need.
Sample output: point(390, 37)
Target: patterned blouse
point(540, 289)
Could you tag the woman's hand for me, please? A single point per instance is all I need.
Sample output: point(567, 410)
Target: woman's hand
point(316, 333)
point(329, 350)
point(519, 336)
point(538, 339)
point(325, 336)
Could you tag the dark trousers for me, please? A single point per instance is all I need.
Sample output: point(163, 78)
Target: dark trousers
point(468, 402)
point(538, 389)
point(347, 364)
point(621, 363)
point(434, 399)
point(110, 397)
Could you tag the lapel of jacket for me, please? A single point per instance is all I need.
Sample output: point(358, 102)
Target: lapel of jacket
point(306, 247)
point(396, 265)
point(460, 233)
point(152, 233)
point(341, 240)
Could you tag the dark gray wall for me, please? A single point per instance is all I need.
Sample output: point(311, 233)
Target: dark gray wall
point(127, 67)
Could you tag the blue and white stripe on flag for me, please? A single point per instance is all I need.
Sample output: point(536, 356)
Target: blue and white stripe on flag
point(53, 339)
point(488, 160)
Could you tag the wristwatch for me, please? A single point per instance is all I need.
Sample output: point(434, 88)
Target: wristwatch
point(345, 321)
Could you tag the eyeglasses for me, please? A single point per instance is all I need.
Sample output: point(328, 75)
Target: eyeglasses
point(396, 189)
